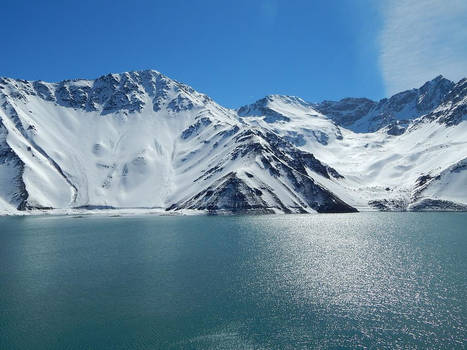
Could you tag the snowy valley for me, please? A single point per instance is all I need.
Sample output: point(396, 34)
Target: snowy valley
point(140, 140)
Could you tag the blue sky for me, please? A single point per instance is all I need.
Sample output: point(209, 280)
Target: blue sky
point(239, 51)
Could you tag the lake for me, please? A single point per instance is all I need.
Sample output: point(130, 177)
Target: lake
point(377, 280)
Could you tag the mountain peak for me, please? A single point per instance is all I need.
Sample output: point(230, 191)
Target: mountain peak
point(438, 81)
point(125, 92)
point(269, 103)
point(287, 99)
point(439, 77)
point(141, 139)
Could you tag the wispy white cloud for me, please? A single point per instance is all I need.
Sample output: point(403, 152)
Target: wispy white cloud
point(421, 39)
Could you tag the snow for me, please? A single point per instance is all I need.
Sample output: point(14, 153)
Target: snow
point(140, 142)
point(377, 165)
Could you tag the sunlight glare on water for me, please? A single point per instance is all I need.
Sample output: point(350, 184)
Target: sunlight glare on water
point(380, 280)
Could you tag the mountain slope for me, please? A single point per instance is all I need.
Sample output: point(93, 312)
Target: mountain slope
point(381, 169)
point(364, 115)
point(142, 140)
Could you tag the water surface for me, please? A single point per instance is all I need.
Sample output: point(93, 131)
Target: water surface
point(377, 280)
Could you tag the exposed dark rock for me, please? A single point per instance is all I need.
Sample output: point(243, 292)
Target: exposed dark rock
point(8, 158)
point(397, 128)
point(179, 104)
point(195, 128)
point(230, 194)
point(94, 207)
point(389, 204)
point(428, 204)
point(346, 111)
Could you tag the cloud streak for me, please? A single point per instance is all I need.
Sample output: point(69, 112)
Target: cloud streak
point(422, 39)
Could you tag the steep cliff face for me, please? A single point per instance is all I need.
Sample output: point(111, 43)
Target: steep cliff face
point(13, 194)
point(142, 140)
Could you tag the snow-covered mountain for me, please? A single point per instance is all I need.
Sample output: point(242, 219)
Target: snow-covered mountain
point(364, 115)
point(142, 140)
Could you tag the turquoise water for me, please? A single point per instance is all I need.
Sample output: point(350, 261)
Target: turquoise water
point(377, 280)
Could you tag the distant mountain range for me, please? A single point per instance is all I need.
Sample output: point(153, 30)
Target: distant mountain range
point(142, 140)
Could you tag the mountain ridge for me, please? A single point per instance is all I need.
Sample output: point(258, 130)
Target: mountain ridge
point(141, 139)
point(427, 97)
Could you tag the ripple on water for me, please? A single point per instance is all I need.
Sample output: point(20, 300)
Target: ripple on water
point(378, 280)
